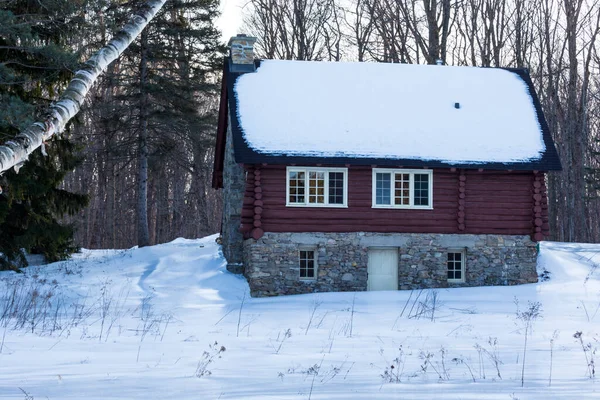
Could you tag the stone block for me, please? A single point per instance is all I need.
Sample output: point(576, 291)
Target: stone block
point(309, 239)
point(384, 240)
point(456, 241)
point(492, 240)
point(347, 277)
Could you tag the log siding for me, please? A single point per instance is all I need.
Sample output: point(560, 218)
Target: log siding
point(464, 201)
point(462, 183)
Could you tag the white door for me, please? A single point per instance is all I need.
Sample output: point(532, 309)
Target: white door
point(382, 269)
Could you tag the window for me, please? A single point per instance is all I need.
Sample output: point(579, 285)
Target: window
point(317, 187)
point(308, 266)
point(456, 266)
point(402, 188)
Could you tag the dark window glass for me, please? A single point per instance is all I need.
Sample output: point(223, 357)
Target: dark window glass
point(307, 264)
point(383, 188)
point(421, 190)
point(455, 266)
point(336, 188)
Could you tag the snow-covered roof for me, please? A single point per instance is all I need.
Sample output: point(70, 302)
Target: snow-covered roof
point(375, 111)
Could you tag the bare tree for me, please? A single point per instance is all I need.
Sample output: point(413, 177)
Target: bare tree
point(360, 23)
point(295, 29)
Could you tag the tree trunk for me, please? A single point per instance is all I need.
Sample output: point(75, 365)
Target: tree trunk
point(143, 233)
point(576, 223)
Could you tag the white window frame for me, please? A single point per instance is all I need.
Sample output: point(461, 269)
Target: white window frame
point(463, 263)
point(412, 173)
point(315, 265)
point(306, 170)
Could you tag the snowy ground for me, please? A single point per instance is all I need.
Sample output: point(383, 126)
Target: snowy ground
point(169, 322)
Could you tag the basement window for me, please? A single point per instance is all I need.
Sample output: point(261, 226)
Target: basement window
point(456, 266)
point(308, 264)
point(402, 188)
point(317, 187)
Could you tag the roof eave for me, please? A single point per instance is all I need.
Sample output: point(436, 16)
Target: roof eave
point(257, 158)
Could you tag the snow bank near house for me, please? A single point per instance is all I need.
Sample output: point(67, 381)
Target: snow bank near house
point(397, 111)
point(146, 323)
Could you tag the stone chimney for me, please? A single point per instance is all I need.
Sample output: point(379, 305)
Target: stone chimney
point(242, 53)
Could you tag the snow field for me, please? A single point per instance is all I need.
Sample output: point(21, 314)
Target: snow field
point(169, 321)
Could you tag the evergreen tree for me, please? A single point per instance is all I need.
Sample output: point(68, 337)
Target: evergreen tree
point(35, 61)
point(154, 121)
point(182, 53)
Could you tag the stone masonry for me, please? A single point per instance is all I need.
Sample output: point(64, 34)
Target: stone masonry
point(233, 194)
point(272, 262)
point(242, 49)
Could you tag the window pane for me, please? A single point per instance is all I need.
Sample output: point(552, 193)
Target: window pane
point(383, 188)
point(402, 185)
point(316, 187)
point(421, 190)
point(307, 264)
point(455, 266)
point(336, 188)
point(296, 183)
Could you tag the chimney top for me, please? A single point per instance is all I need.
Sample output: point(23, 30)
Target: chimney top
point(439, 62)
point(242, 53)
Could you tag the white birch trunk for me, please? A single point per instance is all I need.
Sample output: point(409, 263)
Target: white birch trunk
point(16, 151)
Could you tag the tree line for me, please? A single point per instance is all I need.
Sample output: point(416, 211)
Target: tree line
point(148, 133)
point(556, 40)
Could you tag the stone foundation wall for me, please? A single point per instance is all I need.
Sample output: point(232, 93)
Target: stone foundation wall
point(233, 196)
point(272, 262)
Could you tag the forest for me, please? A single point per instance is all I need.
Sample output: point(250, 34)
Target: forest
point(134, 166)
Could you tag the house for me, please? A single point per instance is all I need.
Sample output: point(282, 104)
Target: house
point(371, 176)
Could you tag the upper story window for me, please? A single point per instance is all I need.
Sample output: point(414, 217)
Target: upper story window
point(402, 188)
point(317, 187)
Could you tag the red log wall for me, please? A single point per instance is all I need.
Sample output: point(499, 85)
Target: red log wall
point(464, 201)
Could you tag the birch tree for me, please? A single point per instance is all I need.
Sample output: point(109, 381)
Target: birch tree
point(16, 151)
